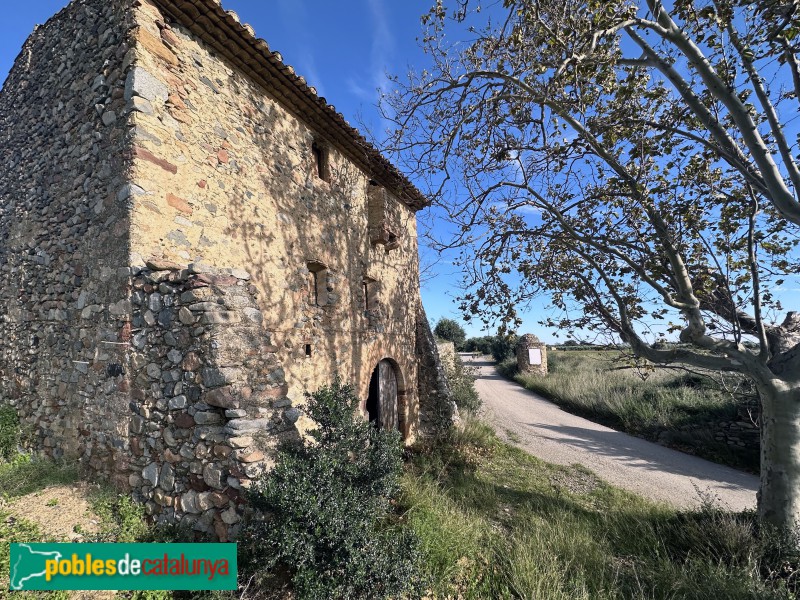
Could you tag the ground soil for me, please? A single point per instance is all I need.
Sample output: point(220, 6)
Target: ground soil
point(62, 512)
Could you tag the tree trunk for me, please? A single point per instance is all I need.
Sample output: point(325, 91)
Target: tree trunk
point(779, 494)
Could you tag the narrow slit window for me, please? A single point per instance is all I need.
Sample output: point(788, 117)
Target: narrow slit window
point(370, 290)
point(312, 288)
point(308, 350)
point(320, 154)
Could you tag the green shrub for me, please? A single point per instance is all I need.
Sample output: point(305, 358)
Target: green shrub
point(508, 368)
point(501, 347)
point(9, 432)
point(482, 345)
point(449, 330)
point(504, 347)
point(327, 501)
point(462, 383)
point(24, 474)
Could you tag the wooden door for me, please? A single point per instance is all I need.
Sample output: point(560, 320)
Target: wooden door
point(387, 396)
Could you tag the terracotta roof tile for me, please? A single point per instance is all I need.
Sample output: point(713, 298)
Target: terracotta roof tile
point(224, 31)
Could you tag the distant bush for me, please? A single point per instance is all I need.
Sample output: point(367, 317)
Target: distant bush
point(582, 347)
point(449, 330)
point(504, 347)
point(482, 344)
point(462, 383)
point(327, 504)
point(499, 347)
point(508, 368)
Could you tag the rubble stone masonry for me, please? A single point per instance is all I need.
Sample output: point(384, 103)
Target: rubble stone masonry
point(64, 236)
point(182, 258)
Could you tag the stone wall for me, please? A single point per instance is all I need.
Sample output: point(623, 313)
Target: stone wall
point(225, 175)
point(447, 354)
point(438, 410)
point(182, 258)
point(209, 393)
point(64, 235)
point(735, 434)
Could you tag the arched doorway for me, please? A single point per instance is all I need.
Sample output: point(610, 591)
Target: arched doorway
point(382, 400)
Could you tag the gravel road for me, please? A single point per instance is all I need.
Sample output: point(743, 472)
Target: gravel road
point(544, 430)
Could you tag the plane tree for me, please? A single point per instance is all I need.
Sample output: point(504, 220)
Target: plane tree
point(637, 161)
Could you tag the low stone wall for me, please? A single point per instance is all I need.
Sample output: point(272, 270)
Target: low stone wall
point(208, 395)
point(740, 433)
point(447, 354)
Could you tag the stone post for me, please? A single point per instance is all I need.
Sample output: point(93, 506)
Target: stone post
point(531, 355)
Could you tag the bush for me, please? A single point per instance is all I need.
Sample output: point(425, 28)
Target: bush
point(327, 504)
point(482, 345)
point(508, 368)
point(504, 347)
point(501, 347)
point(9, 432)
point(462, 383)
point(449, 330)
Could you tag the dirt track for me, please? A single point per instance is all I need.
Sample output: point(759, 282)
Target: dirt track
point(544, 430)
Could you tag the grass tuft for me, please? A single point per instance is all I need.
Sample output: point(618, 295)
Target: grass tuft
point(9, 431)
point(24, 474)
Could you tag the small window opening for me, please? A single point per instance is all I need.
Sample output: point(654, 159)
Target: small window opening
point(370, 290)
point(312, 288)
point(308, 350)
point(317, 284)
point(320, 154)
point(393, 243)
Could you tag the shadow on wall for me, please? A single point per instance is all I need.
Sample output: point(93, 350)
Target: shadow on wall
point(296, 217)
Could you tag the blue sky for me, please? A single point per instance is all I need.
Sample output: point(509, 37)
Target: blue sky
point(343, 48)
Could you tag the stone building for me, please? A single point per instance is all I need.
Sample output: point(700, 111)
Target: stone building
point(191, 239)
